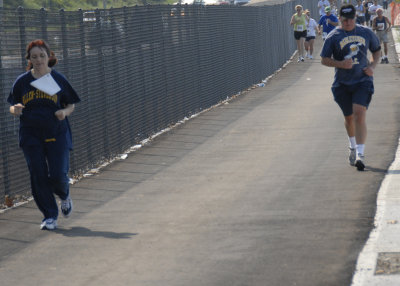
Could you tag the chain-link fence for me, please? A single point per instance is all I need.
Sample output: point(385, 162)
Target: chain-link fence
point(138, 70)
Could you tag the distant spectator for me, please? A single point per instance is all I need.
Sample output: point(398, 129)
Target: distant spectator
point(360, 13)
point(334, 6)
point(322, 4)
point(372, 10)
point(385, 4)
point(367, 4)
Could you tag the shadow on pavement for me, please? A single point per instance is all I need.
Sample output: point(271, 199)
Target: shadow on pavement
point(86, 232)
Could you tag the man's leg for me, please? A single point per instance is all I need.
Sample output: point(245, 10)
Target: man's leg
point(349, 124)
point(350, 128)
point(360, 113)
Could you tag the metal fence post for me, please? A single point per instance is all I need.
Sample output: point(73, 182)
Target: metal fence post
point(43, 24)
point(128, 31)
point(64, 42)
point(22, 35)
point(4, 153)
point(102, 82)
point(85, 89)
point(116, 38)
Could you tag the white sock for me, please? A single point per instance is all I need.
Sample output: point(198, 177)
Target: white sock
point(360, 149)
point(352, 142)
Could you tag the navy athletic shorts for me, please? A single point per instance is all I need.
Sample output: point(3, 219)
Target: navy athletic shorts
point(347, 95)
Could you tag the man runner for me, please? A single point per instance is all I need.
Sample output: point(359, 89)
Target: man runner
point(346, 49)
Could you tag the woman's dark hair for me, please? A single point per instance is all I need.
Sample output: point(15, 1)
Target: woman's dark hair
point(43, 45)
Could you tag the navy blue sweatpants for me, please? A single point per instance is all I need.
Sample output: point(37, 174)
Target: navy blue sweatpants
point(48, 164)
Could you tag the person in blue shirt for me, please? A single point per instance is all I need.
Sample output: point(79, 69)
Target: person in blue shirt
point(44, 132)
point(328, 22)
point(345, 49)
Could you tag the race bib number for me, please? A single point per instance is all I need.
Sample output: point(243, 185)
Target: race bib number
point(300, 28)
point(380, 26)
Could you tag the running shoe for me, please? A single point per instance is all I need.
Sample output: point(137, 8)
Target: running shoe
point(352, 156)
point(49, 224)
point(299, 60)
point(302, 59)
point(310, 57)
point(66, 206)
point(382, 61)
point(386, 60)
point(360, 162)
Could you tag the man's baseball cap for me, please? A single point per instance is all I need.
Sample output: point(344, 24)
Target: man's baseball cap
point(327, 9)
point(347, 11)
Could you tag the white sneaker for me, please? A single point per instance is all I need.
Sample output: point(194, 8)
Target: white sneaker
point(302, 59)
point(66, 206)
point(310, 57)
point(307, 56)
point(352, 156)
point(360, 162)
point(49, 224)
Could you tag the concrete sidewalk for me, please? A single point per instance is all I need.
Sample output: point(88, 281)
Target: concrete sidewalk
point(256, 191)
point(379, 262)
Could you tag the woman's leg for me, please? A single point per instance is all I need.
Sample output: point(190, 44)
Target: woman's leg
point(58, 161)
point(42, 190)
point(311, 48)
point(307, 47)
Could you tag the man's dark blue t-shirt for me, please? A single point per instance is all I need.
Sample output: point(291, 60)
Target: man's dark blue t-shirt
point(323, 21)
point(353, 44)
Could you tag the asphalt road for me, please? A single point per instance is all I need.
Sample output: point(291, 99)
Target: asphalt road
point(253, 192)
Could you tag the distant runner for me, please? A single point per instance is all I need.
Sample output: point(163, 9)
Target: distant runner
point(327, 22)
point(298, 21)
point(381, 25)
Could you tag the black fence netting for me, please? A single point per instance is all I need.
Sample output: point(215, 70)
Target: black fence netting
point(138, 70)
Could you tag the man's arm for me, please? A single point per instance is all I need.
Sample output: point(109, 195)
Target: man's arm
point(333, 23)
point(329, 62)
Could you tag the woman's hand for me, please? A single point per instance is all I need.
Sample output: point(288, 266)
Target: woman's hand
point(60, 114)
point(16, 109)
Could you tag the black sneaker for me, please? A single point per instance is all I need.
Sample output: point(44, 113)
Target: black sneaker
point(66, 206)
point(360, 162)
point(386, 60)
